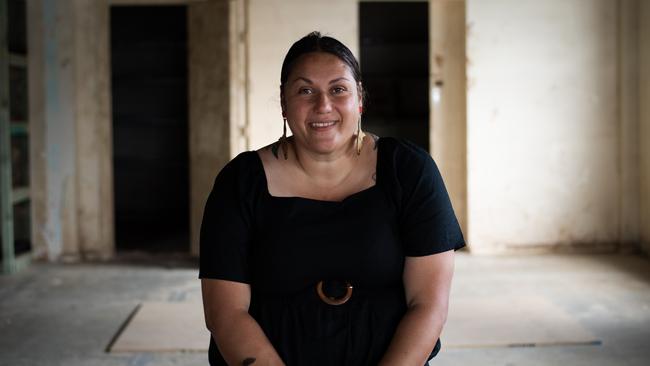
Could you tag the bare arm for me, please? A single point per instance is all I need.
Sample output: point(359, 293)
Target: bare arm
point(427, 281)
point(239, 338)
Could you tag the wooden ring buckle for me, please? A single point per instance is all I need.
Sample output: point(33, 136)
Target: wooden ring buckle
point(333, 300)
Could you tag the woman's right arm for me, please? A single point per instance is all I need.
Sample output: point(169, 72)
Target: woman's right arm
point(239, 338)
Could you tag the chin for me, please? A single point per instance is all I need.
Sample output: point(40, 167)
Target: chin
point(329, 146)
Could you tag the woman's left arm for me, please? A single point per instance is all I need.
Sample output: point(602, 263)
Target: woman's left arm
point(427, 281)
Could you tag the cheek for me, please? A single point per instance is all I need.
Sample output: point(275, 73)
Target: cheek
point(351, 107)
point(344, 102)
point(295, 109)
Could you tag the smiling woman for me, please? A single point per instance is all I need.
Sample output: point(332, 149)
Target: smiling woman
point(332, 246)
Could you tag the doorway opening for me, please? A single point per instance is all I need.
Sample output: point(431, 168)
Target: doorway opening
point(150, 127)
point(395, 69)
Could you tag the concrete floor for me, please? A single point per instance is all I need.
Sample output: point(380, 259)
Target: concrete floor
point(68, 314)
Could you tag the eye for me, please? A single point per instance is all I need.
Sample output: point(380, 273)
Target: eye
point(338, 90)
point(305, 91)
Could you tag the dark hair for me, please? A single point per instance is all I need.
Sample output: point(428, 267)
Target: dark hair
point(315, 42)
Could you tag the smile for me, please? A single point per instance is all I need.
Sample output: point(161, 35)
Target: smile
point(321, 124)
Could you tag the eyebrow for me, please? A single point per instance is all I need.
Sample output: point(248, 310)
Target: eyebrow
point(311, 82)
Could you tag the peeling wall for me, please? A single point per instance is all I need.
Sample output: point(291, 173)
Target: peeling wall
point(644, 114)
point(448, 105)
point(71, 123)
point(93, 130)
point(70, 148)
point(60, 133)
point(550, 150)
point(37, 161)
point(209, 117)
point(542, 125)
point(629, 123)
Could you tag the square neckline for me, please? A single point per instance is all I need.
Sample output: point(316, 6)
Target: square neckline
point(307, 199)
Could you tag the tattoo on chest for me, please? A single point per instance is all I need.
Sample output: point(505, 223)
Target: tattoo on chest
point(248, 361)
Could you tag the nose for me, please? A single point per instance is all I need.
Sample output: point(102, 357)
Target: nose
point(323, 103)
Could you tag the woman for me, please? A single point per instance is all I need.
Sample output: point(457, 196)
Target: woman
point(329, 247)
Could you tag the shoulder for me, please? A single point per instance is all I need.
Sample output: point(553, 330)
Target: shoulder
point(405, 157)
point(407, 169)
point(403, 148)
point(241, 171)
point(240, 164)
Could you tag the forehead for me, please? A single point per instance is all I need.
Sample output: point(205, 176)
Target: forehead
point(320, 65)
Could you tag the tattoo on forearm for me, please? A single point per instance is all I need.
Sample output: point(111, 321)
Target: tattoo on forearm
point(248, 361)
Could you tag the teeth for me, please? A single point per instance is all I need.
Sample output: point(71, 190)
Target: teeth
point(321, 124)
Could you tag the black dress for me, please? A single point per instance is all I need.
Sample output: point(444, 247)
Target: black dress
point(283, 246)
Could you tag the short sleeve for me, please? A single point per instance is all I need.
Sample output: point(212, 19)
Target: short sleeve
point(226, 227)
point(427, 221)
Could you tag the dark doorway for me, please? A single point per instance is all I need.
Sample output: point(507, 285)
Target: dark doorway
point(395, 68)
point(150, 128)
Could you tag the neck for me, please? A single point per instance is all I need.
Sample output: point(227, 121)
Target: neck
point(328, 169)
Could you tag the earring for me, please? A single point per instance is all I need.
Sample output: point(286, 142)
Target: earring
point(360, 136)
point(283, 141)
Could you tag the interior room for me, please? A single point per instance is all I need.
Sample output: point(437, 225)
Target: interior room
point(117, 115)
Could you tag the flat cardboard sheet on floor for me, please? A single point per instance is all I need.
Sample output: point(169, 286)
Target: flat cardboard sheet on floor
point(164, 327)
point(490, 322)
point(511, 321)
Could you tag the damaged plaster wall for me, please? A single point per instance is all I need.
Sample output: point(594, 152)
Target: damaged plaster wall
point(629, 123)
point(71, 182)
point(644, 135)
point(542, 125)
point(59, 228)
point(37, 157)
point(94, 130)
point(209, 103)
point(448, 105)
point(71, 122)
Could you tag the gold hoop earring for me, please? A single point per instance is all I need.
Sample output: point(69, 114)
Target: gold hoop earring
point(360, 136)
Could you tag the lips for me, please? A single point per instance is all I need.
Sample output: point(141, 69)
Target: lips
point(322, 124)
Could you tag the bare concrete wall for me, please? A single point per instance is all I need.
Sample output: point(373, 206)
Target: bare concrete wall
point(209, 103)
point(37, 161)
point(93, 130)
point(70, 120)
point(448, 99)
point(542, 125)
point(54, 111)
point(644, 114)
point(543, 135)
point(629, 123)
point(71, 181)
point(274, 25)
point(238, 70)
